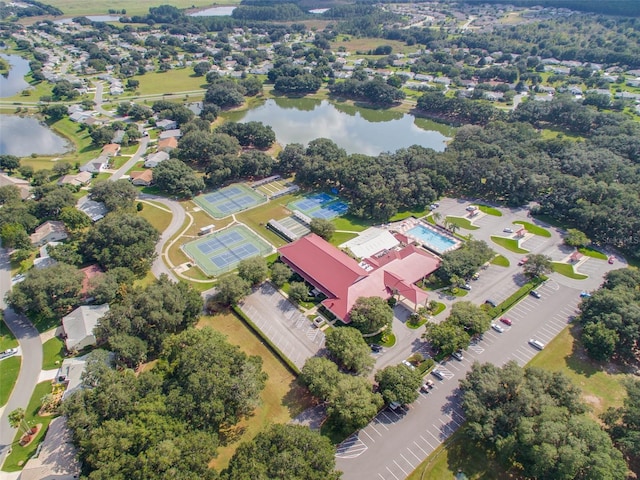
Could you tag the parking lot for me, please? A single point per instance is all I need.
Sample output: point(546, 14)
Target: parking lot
point(283, 323)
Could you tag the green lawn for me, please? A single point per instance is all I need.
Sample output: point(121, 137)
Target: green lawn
point(590, 252)
point(567, 270)
point(461, 222)
point(535, 229)
point(9, 370)
point(158, 217)
point(508, 243)
point(7, 340)
point(19, 455)
point(53, 353)
point(341, 237)
point(489, 210)
point(409, 213)
point(82, 7)
point(500, 260)
point(169, 82)
point(351, 223)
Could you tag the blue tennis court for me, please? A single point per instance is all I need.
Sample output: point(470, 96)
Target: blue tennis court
point(228, 200)
point(320, 205)
point(222, 251)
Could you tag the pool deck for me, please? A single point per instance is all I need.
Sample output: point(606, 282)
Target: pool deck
point(407, 224)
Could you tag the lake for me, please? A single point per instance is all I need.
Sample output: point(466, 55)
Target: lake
point(213, 12)
point(22, 136)
point(357, 130)
point(14, 81)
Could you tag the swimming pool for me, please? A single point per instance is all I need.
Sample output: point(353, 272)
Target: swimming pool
point(433, 238)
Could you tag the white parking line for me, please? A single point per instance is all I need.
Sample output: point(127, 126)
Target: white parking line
point(405, 459)
point(394, 475)
point(422, 449)
point(425, 441)
point(370, 437)
point(398, 465)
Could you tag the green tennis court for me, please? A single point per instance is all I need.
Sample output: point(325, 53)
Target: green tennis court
point(229, 200)
point(222, 251)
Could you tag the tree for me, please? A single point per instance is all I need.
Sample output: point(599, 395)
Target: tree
point(201, 68)
point(122, 240)
point(74, 219)
point(9, 162)
point(61, 168)
point(254, 270)
point(49, 292)
point(287, 452)
point(576, 238)
point(13, 235)
point(113, 285)
point(298, 292)
point(446, 337)
point(352, 404)
point(465, 261)
point(323, 228)
point(470, 317)
point(280, 274)
point(537, 265)
point(118, 195)
point(231, 289)
point(320, 375)
point(349, 349)
point(17, 420)
point(600, 341)
point(9, 194)
point(176, 178)
point(55, 112)
point(371, 314)
point(53, 201)
point(130, 351)
point(623, 423)
point(398, 383)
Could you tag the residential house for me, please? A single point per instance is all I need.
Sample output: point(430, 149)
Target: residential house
point(94, 210)
point(97, 165)
point(78, 180)
point(170, 133)
point(118, 137)
point(167, 144)
point(23, 185)
point(90, 272)
point(111, 149)
point(143, 178)
point(49, 231)
point(155, 158)
point(167, 124)
point(390, 273)
point(79, 325)
point(44, 260)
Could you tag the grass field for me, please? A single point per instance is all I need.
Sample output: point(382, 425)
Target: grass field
point(567, 270)
point(508, 243)
point(171, 81)
point(535, 229)
point(7, 340)
point(9, 369)
point(500, 260)
point(590, 252)
point(257, 218)
point(158, 216)
point(365, 44)
point(282, 398)
point(489, 210)
point(81, 7)
point(351, 223)
point(341, 237)
point(52, 353)
point(461, 222)
point(19, 455)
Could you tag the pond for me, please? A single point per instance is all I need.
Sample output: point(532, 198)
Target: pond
point(357, 130)
point(13, 82)
point(213, 12)
point(22, 136)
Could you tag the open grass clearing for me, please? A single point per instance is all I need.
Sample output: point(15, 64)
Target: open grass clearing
point(256, 218)
point(461, 222)
point(339, 238)
point(567, 270)
point(282, 399)
point(7, 340)
point(19, 455)
point(158, 217)
point(364, 44)
point(351, 223)
point(535, 229)
point(169, 82)
point(9, 370)
point(82, 7)
point(500, 260)
point(52, 353)
point(593, 253)
point(409, 213)
point(489, 210)
point(508, 243)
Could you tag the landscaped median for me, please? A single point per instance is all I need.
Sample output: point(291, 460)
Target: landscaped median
point(567, 270)
point(508, 243)
point(516, 297)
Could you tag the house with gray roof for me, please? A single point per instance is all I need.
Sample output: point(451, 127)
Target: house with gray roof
point(79, 325)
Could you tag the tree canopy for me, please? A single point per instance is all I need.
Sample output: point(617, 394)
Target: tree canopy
point(115, 195)
point(370, 314)
point(177, 178)
point(398, 383)
point(349, 349)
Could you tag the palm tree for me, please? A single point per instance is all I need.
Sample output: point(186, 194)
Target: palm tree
point(436, 217)
point(16, 420)
point(453, 227)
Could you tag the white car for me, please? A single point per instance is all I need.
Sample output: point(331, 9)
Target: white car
point(408, 364)
point(457, 355)
point(497, 328)
point(8, 352)
point(508, 230)
point(537, 344)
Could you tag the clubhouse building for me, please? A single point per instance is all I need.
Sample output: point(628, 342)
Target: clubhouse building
point(388, 273)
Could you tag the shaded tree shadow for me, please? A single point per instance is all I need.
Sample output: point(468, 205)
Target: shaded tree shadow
point(231, 434)
point(577, 360)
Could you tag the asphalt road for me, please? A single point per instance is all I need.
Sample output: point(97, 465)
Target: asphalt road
point(142, 147)
point(394, 444)
point(31, 350)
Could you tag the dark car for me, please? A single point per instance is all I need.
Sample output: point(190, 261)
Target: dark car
point(376, 348)
point(488, 301)
point(535, 293)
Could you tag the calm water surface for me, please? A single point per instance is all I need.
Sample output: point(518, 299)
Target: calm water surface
point(22, 136)
point(357, 130)
point(213, 12)
point(14, 81)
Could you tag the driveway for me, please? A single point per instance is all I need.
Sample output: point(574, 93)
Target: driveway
point(282, 322)
point(142, 148)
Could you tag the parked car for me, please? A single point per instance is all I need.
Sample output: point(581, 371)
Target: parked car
point(457, 355)
point(536, 344)
point(471, 208)
point(466, 286)
point(508, 230)
point(497, 328)
point(523, 261)
point(408, 364)
point(394, 406)
point(535, 293)
point(585, 294)
point(611, 260)
point(488, 301)
point(438, 374)
point(8, 352)
point(506, 321)
point(376, 348)
point(426, 386)
point(475, 276)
